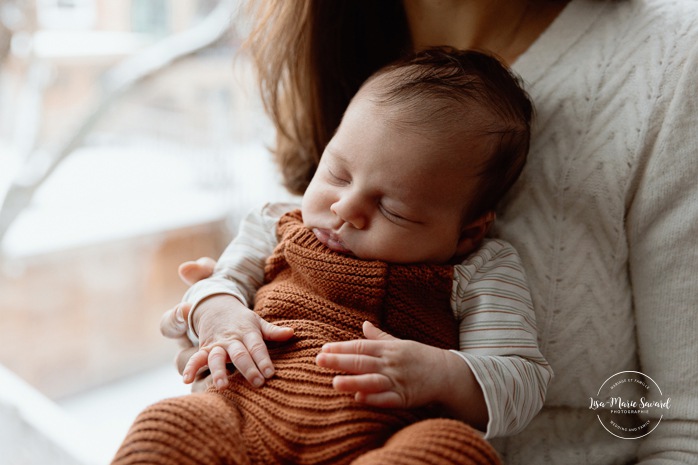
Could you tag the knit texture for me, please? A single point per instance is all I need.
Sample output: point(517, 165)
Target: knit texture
point(605, 218)
point(311, 284)
point(297, 417)
point(432, 442)
point(198, 429)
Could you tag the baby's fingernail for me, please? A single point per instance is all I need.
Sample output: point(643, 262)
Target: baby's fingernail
point(268, 373)
point(257, 382)
point(221, 383)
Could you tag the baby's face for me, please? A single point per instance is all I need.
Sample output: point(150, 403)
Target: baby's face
point(387, 194)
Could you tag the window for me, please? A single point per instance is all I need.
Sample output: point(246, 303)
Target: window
point(137, 182)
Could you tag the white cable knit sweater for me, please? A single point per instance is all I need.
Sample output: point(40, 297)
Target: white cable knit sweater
point(605, 218)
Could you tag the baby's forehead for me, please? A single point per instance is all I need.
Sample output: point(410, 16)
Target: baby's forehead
point(455, 127)
point(425, 107)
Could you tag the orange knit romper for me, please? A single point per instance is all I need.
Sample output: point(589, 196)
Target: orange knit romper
point(297, 417)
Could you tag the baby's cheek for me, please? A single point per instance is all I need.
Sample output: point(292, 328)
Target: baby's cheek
point(399, 248)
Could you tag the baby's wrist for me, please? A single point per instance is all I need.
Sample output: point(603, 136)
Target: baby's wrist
point(211, 304)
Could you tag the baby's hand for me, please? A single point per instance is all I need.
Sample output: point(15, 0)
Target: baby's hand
point(229, 331)
point(385, 371)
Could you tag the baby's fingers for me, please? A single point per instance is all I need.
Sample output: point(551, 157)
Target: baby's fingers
point(386, 399)
point(370, 383)
point(260, 356)
point(272, 332)
point(351, 363)
point(196, 362)
point(372, 389)
point(241, 357)
point(217, 359)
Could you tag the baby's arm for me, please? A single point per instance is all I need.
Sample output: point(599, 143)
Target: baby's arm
point(498, 337)
point(496, 382)
point(221, 318)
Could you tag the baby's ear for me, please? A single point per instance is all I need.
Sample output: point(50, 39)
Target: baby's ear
point(473, 233)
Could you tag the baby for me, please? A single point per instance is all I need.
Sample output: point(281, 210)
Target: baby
point(390, 235)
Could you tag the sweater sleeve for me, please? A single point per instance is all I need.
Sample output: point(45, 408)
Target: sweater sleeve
point(498, 336)
point(240, 270)
point(662, 227)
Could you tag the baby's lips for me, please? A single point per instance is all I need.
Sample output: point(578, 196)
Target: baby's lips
point(331, 240)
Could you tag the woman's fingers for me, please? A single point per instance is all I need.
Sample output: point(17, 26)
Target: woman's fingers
point(194, 271)
point(183, 357)
point(191, 362)
point(173, 323)
point(202, 382)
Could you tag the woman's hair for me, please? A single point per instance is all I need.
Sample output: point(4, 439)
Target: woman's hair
point(312, 56)
point(469, 104)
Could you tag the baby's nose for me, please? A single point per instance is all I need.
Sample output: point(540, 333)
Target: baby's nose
point(350, 210)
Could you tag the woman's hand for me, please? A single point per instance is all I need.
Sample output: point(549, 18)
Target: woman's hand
point(388, 372)
point(173, 323)
point(229, 331)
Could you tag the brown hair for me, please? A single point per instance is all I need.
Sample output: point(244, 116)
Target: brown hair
point(458, 96)
point(312, 56)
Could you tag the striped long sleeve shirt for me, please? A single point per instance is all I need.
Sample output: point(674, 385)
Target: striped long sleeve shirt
point(490, 300)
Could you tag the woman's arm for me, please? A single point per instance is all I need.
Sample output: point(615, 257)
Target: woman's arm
point(662, 228)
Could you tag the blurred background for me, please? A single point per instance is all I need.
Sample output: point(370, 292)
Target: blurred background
point(131, 139)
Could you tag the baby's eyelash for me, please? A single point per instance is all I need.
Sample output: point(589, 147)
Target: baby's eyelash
point(395, 218)
point(336, 177)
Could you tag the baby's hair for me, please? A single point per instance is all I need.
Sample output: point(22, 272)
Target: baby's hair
point(454, 95)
